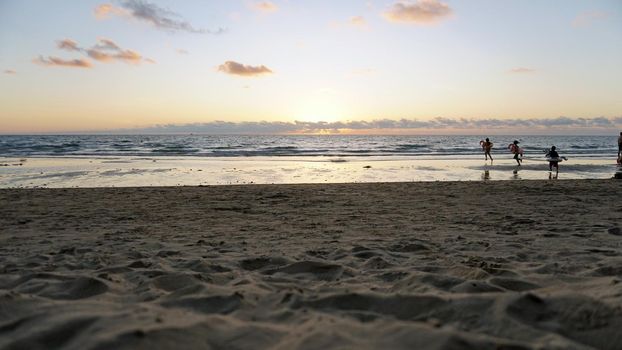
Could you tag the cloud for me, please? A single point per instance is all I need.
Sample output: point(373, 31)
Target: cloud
point(106, 44)
point(418, 12)
point(522, 70)
point(265, 6)
point(587, 18)
point(102, 11)
point(158, 17)
point(358, 21)
point(108, 51)
point(182, 52)
point(52, 61)
point(105, 50)
point(9, 71)
point(440, 124)
point(127, 56)
point(234, 68)
point(67, 44)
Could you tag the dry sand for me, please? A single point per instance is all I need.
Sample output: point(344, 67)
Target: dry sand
point(487, 265)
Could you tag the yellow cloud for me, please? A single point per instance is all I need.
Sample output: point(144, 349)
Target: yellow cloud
point(105, 50)
point(418, 12)
point(358, 21)
point(102, 11)
point(234, 68)
point(520, 70)
point(266, 6)
point(67, 44)
point(52, 61)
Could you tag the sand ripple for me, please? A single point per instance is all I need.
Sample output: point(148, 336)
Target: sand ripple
point(376, 266)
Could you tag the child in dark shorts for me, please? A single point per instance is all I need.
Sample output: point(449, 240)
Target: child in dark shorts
point(513, 147)
point(554, 156)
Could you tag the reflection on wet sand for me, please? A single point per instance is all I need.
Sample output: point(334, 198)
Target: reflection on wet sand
point(195, 171)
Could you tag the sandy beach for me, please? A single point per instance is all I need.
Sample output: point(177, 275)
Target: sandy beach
point(437, 265)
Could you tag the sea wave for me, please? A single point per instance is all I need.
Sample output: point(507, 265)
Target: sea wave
point(333, 145)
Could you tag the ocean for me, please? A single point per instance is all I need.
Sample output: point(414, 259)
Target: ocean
point(298, 145)
point(191, 160)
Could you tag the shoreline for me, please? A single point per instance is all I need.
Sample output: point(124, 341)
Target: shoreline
point(167, 171)
point(427, 265)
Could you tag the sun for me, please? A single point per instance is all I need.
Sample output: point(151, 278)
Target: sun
point(323, 108)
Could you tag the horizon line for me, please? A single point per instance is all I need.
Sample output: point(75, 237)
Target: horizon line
point(434, 126)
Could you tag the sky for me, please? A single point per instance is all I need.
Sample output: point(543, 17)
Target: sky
point(311, 66)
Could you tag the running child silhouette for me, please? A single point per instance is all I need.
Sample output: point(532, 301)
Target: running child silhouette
point(517, 151)
point(487, 147)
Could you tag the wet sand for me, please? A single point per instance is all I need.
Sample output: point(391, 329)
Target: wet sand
point(64, 172)
point(439, 265)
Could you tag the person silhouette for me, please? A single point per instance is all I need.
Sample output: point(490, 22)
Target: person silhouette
point(553, 159)
point(517, 151)
point(487, 147)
